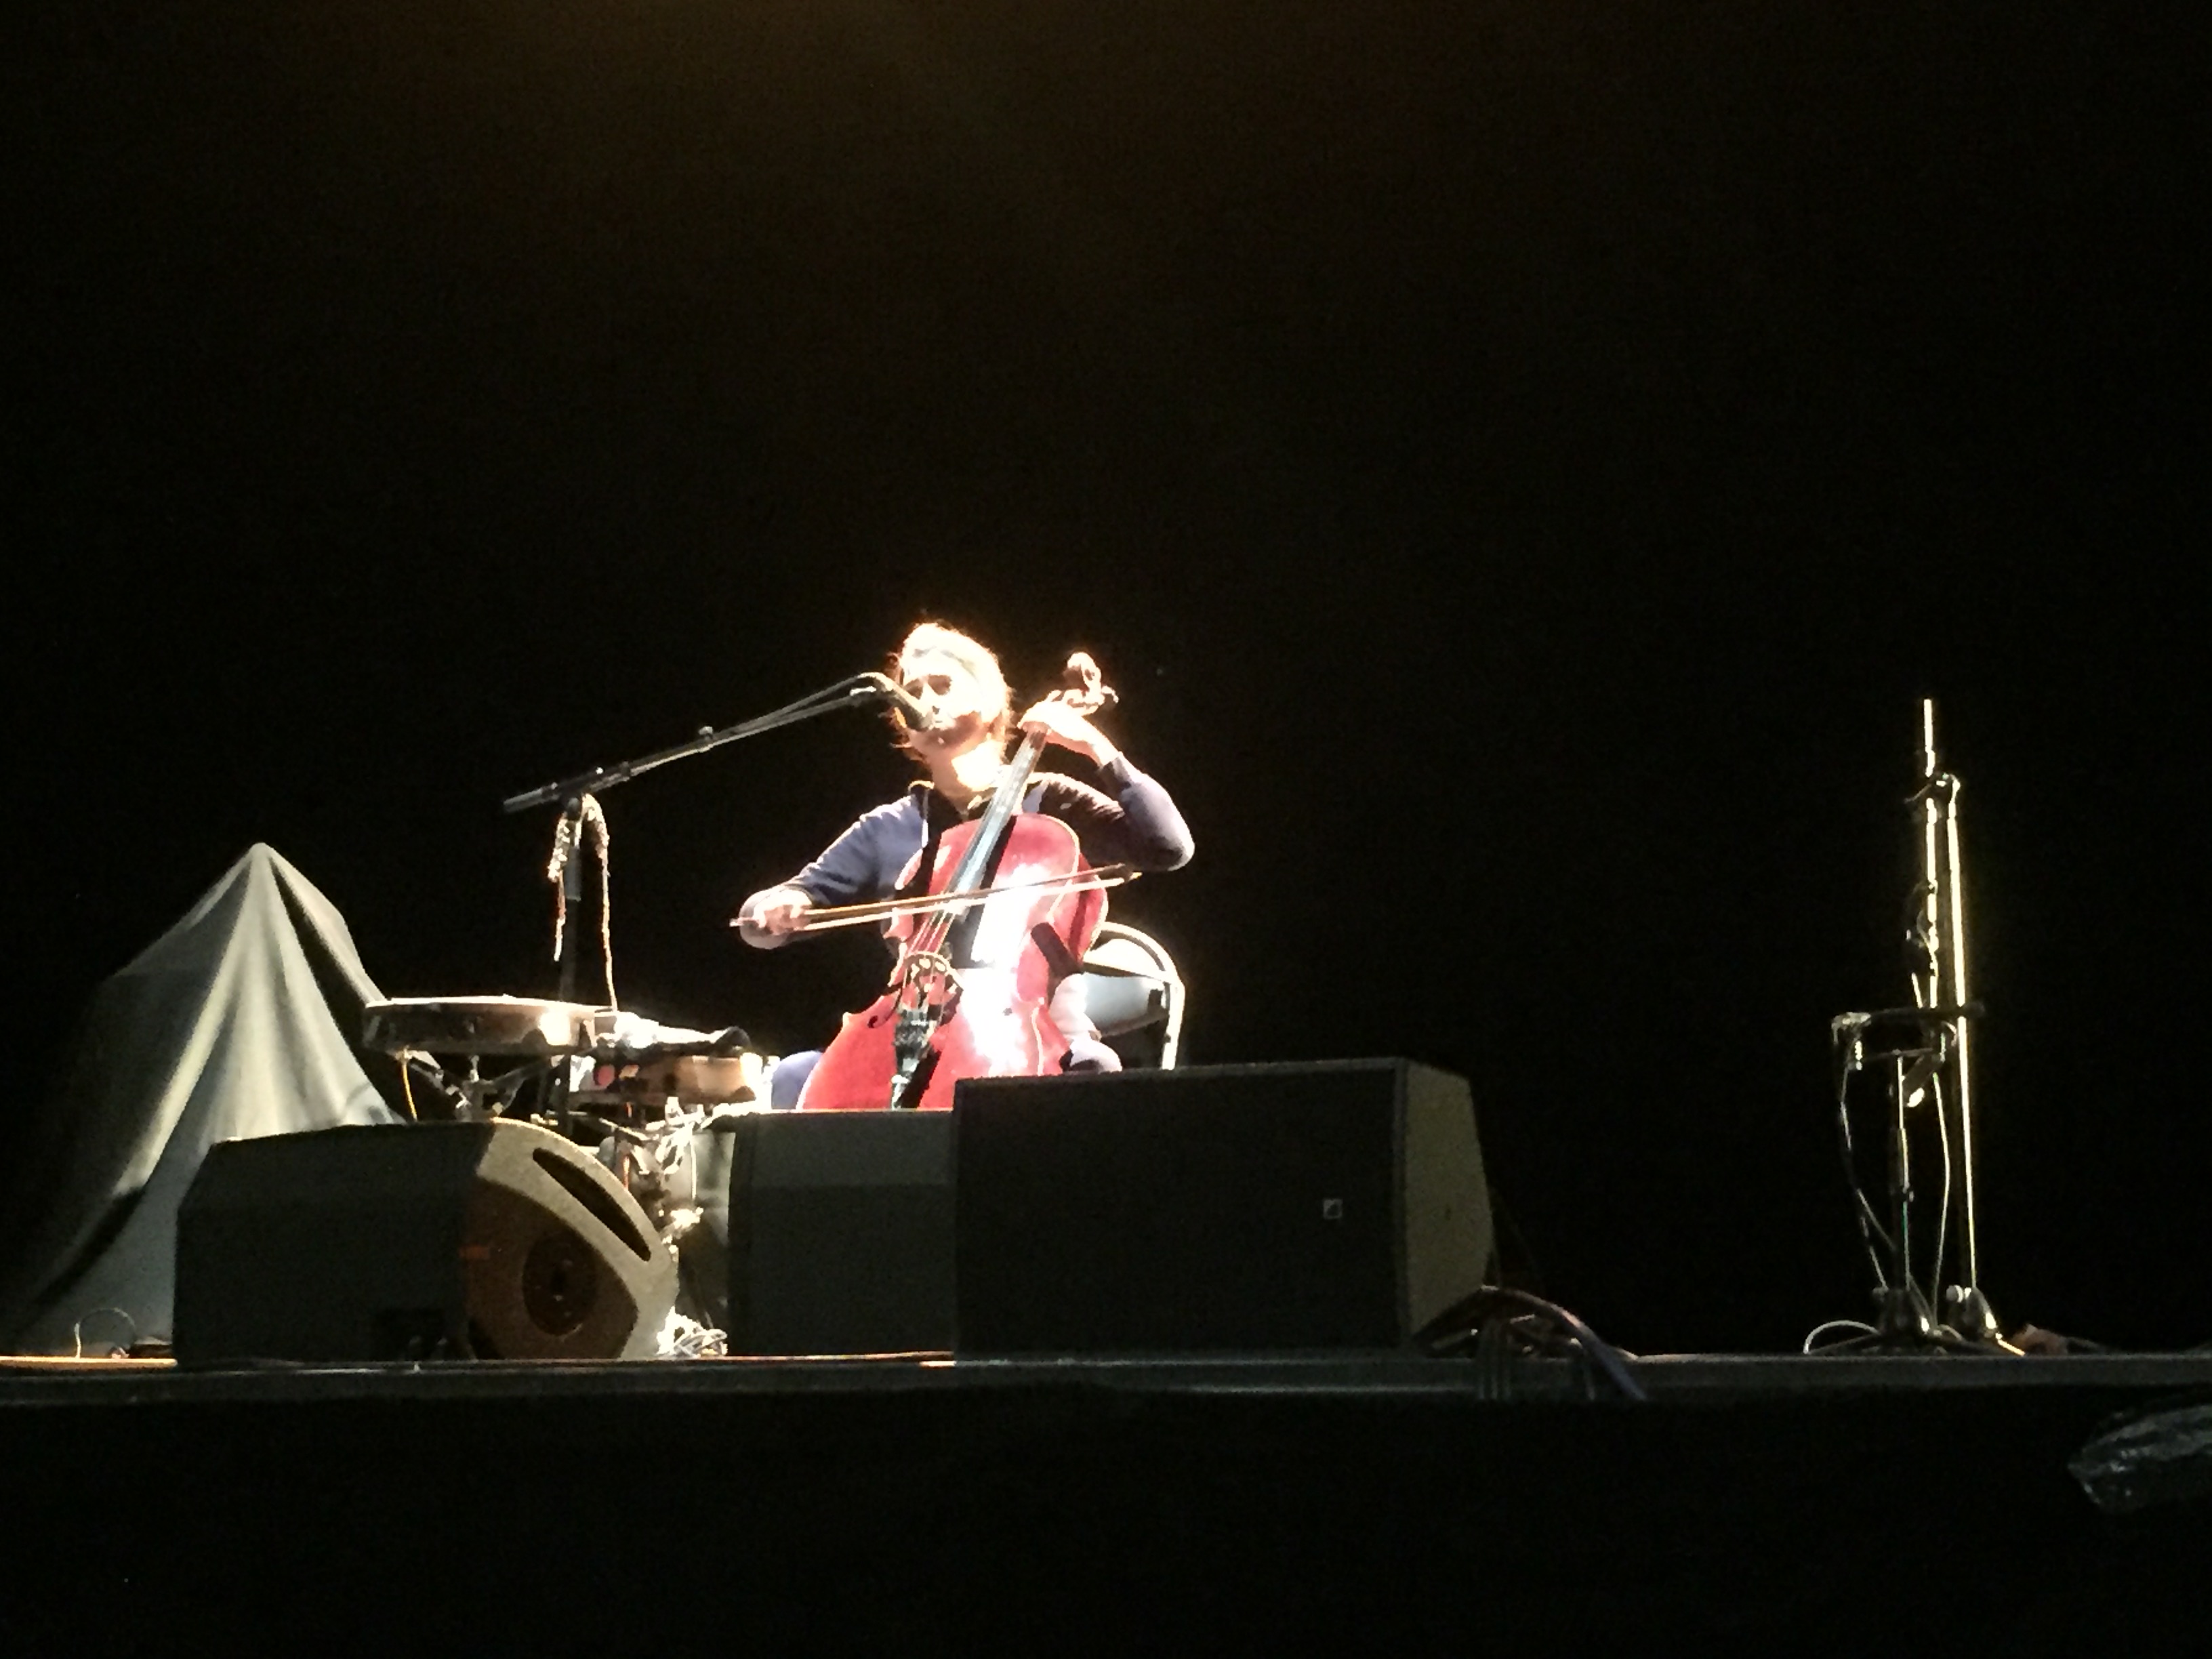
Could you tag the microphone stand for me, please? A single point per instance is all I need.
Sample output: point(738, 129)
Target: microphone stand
point(1930, 1072)
point(576, 794)
point(1923, 1041)
point(1940, 937)
point(862, 688)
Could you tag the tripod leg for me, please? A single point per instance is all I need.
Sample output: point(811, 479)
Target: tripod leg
point(1904, 1315)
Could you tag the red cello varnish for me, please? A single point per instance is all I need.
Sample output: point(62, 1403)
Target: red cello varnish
point(1010, 910)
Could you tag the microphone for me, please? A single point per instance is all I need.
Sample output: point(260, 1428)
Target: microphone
point(911, 711)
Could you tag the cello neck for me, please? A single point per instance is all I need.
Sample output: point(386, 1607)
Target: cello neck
point(1084, 690)
point(1006, 801)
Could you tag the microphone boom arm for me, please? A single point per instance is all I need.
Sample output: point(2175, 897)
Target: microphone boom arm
point(862, 688)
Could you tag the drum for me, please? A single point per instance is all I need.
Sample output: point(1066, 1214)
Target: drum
point(485, 1026)
point(695, 1079)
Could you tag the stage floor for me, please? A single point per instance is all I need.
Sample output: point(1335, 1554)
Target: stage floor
point(1083, 1503)
point(1687, 1378)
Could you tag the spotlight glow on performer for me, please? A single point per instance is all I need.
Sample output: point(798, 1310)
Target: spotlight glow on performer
point(986, 988)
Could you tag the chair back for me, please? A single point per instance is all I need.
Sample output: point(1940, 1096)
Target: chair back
point(1130, 984)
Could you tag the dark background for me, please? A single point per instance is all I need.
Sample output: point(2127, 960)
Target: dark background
point(1521, 464)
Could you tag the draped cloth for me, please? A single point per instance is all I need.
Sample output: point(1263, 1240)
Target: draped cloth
point(241, 1020)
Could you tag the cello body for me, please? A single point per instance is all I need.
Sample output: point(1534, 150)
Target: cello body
point(982, 982)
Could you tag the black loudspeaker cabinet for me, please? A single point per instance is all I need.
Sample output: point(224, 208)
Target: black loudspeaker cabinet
point(841, 1233)
point(1339, 1205)
point(457, 1240)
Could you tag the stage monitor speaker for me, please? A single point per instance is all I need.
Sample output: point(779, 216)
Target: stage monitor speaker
point(1279, 1207)
point(841, 1233)
point(491, 1240)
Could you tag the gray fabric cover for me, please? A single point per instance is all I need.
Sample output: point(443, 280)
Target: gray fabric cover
point(241, 1020)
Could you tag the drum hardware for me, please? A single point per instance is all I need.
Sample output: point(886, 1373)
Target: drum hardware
point(417, 1030)
point(657, 1162)
point(629, 1154)
point(434, 1096)
point(619, 1065)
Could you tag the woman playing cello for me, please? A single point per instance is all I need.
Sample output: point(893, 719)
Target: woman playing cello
point(964, 748)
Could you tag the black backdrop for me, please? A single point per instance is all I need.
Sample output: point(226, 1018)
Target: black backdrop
point(1522, 463)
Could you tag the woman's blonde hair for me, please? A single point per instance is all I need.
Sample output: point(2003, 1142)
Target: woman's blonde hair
point(930, 638)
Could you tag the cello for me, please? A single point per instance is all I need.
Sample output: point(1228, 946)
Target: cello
point(1014, 910)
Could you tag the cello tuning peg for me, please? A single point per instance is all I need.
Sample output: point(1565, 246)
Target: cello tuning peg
point(1084, 685)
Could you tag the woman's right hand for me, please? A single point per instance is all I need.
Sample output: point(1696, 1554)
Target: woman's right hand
point(777, 912)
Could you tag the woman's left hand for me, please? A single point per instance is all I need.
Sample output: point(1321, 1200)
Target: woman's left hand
point(1055, 722)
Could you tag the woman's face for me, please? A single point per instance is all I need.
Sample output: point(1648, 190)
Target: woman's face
point(962, 708)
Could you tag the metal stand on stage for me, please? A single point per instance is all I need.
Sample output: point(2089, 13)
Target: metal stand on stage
point(1923, 1056)
point(580, 812)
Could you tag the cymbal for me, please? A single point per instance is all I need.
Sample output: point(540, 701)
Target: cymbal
point(481, 1026)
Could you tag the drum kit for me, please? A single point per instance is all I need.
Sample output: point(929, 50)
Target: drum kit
point(646, 1097)
point(616, 1059)
point(657, 1103)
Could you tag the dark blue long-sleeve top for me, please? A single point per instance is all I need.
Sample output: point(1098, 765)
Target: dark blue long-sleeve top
point(1137, 824)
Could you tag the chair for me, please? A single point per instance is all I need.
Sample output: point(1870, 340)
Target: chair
point(1135, 995)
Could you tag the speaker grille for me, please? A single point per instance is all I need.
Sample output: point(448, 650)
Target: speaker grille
point(1209, 1209)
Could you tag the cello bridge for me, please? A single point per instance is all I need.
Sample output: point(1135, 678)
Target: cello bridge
point(924, 970)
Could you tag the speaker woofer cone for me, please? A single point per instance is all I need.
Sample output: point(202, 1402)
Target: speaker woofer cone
point(560, 1282)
